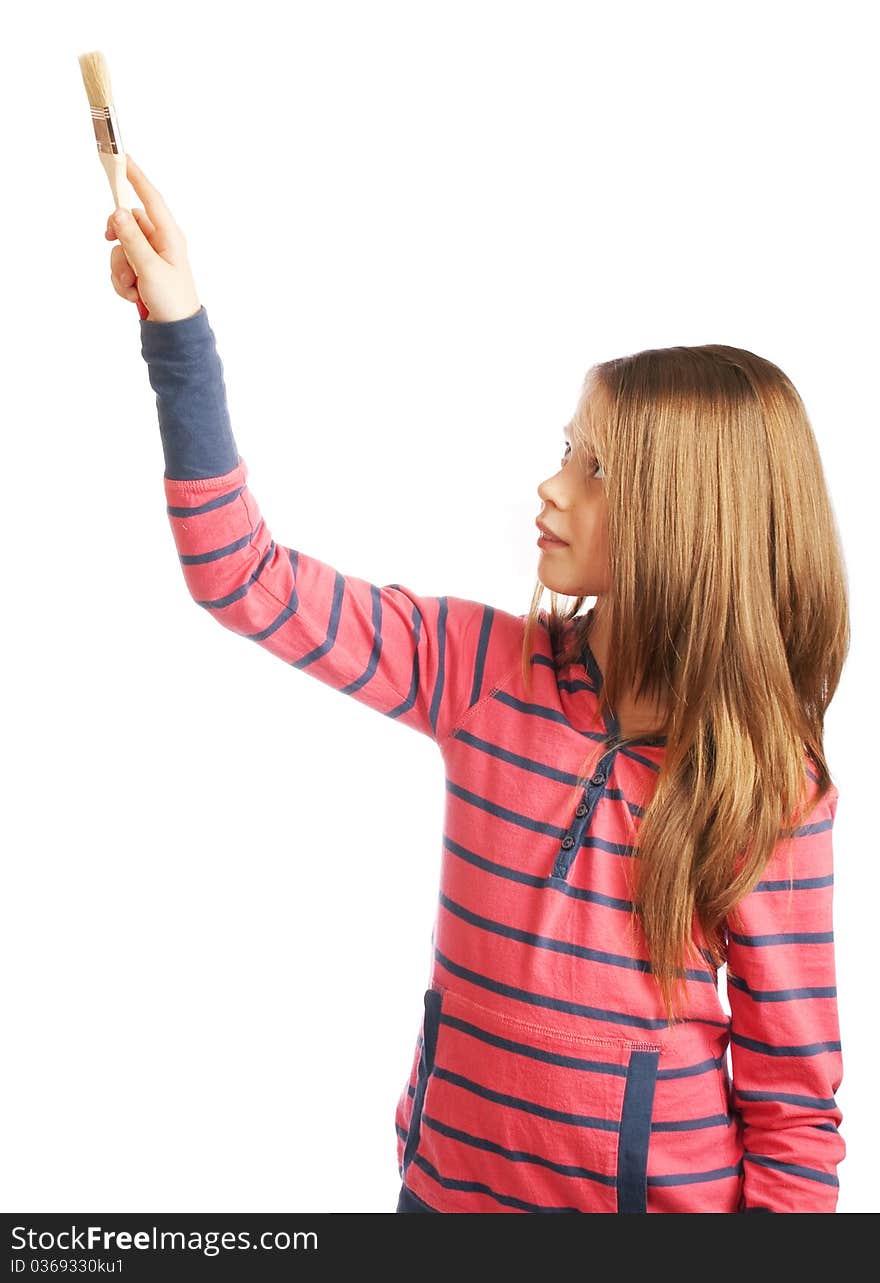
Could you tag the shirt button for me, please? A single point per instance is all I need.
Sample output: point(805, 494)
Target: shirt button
point(598, 778)
point(582, 810)
point(567, 841)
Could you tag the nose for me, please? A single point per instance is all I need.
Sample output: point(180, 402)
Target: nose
point(544, 489)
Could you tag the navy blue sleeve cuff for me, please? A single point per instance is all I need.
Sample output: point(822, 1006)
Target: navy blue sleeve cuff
point(186, 374)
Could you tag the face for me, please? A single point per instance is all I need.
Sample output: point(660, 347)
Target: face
point(575, 509)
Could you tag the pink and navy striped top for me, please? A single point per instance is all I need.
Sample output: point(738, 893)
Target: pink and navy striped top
point(544, 1077)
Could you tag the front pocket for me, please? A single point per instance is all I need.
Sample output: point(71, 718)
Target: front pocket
point(430, 1025)
point(516, 1115)
point(635, 1131)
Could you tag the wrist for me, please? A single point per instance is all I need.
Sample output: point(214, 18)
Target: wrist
point(178, 314)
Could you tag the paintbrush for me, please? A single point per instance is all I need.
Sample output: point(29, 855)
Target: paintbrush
point(96, 78)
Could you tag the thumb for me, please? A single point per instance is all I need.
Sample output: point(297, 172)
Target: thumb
point(136, 247)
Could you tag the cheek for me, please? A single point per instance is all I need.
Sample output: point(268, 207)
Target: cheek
point(592, 525)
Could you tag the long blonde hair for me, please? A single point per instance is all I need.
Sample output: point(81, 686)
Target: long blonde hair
point(727, 602)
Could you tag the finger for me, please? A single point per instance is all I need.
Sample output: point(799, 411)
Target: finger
point(154, 204)
point(146, 225)
point(138, 250)
point(120, 268)
point(128, 292)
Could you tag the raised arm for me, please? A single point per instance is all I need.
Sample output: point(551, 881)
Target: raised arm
point(422, 660)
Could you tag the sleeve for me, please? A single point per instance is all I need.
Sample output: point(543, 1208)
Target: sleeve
point(422, 660)
point(186, 373)
point(785, 1035)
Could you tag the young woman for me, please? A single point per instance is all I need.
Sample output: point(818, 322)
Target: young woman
point(635, 795)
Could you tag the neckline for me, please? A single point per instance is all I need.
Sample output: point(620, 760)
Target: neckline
point(612, 726)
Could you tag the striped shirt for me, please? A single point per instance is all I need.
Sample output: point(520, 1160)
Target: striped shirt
point(544, 1077)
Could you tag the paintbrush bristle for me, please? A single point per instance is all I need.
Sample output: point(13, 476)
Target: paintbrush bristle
point(96, 78)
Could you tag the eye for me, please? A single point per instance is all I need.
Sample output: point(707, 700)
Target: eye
point(598, 471)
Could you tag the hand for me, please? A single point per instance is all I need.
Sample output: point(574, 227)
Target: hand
point(151, 256)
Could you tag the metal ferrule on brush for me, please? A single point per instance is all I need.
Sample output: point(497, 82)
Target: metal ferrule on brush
point(107, 132)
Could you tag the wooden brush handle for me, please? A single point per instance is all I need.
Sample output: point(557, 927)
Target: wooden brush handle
point(115, 166)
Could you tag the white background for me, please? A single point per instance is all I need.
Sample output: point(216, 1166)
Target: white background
point(413, 226)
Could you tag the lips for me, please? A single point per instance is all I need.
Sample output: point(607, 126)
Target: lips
point(548, 533)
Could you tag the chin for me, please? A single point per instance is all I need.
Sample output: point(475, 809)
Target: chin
point(555, 583)
point(557, 586)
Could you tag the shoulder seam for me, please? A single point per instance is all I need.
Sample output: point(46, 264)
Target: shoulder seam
point(472, 708)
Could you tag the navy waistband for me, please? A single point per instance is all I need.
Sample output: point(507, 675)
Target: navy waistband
point(410, 1202)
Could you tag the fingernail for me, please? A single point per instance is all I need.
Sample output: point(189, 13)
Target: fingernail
point(121, 217)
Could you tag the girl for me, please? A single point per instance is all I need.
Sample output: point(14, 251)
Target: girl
point(635, 795)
